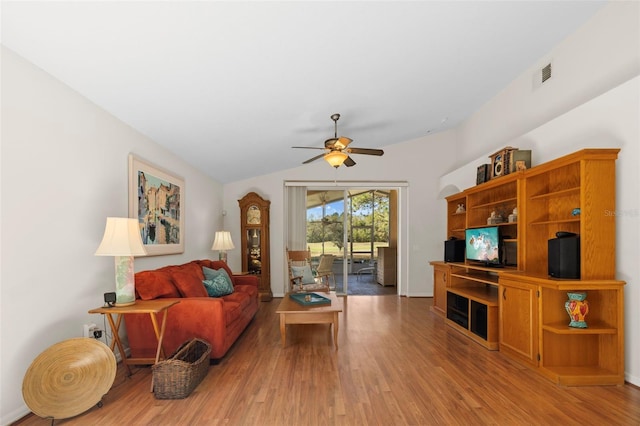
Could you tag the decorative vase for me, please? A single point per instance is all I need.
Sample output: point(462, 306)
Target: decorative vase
point(577, 307)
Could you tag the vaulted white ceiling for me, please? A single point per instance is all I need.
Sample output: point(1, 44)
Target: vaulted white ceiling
point(227, 84)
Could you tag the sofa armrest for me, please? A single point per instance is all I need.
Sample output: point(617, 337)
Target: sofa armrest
point(246, 280)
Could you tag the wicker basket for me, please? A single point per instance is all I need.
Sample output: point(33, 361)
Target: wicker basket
point(177, 376)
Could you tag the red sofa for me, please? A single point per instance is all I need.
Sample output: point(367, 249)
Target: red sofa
point(218, 320)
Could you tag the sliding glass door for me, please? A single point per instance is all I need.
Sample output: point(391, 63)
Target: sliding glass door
point(351, 221)
point(348, 224)
point(326, 231)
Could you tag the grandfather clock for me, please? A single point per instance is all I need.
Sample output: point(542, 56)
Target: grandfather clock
point(254, 231)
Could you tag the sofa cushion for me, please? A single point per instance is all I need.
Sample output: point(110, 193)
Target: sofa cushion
point(217, 282)
point(155, 285)
point(217, 274)
point(232, 311)
point(242, 299)
point(188, 284)
point(217, 265)
point(193, 268)
point(251, 290)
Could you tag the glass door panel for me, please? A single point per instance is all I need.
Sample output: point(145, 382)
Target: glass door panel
point(325, 230)
point(349, 224)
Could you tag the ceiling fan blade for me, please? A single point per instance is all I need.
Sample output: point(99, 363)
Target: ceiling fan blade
point(307, 147)
point(313, 159)
point(367, 151)
point(349, 162)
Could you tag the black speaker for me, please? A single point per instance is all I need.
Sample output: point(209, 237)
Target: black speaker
point(510, 253)
point(564, 257)
point(454, 250)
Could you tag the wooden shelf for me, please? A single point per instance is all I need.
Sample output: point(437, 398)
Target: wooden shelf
point(597, 327)
point(581, 376)
point(485, 295)
point(494, 224)
point(555, 222)
point(470, 266)
point(495, 203)
point(477, 276)
point(560, 193)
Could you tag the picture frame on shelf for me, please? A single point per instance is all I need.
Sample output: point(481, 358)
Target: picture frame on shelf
point(156, 199)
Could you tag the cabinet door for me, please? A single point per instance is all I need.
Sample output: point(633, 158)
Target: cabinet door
point(519, 320)
point(440, 279)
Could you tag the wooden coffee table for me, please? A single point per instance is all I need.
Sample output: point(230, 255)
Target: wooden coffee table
point(292, 312)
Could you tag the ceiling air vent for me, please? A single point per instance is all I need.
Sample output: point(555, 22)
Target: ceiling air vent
point(546, 73)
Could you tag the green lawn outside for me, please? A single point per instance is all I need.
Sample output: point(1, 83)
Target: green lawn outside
point(330, 248)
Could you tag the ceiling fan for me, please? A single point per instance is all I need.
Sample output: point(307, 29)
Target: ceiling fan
point(337, 149)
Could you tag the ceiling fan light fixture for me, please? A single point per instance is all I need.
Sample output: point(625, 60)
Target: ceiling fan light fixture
point(342, 142)
point(335, 158)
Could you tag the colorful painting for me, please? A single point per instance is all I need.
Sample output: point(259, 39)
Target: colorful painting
point(156, 199)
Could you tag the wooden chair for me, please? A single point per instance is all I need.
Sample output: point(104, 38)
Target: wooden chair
point(324, 271)
point(301, 276)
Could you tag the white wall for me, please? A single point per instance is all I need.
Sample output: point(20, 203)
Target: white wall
point(600, 55)
point(64, 170)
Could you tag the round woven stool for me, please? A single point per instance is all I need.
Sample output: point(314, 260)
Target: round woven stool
point(68, 378)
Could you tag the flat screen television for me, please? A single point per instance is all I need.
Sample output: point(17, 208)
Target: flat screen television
point(483, 245)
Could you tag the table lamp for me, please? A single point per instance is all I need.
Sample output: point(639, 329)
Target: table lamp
point(122, 240)
point(222, 242)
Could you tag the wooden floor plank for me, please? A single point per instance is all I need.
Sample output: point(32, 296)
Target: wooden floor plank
point(397, 364)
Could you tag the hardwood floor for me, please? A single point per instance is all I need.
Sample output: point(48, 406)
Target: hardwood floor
point(398, 364)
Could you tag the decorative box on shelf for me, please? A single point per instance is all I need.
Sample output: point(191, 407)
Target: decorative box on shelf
point(484, 173)
point(494, 219)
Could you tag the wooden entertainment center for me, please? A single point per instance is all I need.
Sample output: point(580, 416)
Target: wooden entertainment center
point(520, 309)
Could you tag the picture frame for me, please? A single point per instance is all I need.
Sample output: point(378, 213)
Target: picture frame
point(156, 199)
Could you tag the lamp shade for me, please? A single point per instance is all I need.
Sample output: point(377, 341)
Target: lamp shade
point(123, 241)
point(335, 158)
point(121, 238)
point(222, 241)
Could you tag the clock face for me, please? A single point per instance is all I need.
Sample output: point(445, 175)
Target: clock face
point(498, 165)
point(253, 215)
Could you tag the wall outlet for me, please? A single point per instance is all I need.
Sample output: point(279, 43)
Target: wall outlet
point(88, 330)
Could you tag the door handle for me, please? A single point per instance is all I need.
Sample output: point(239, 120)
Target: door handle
point(504, 294)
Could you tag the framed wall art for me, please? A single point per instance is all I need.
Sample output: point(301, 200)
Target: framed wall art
point(156, 199)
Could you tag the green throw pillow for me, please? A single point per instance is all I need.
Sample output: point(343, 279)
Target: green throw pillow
point(305, 273)
point(217, 282)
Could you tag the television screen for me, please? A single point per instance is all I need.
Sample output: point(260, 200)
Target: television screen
point(483, 244)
